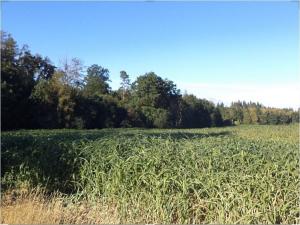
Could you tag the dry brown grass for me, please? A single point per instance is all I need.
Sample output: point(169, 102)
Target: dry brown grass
point(34, 207)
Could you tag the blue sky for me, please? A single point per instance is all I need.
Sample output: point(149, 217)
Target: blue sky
point(222, 51)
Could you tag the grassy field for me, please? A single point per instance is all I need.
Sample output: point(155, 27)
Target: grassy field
point(243, 174)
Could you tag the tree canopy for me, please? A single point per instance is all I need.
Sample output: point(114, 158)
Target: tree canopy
point(36, 94)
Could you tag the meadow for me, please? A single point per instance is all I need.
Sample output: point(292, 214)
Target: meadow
point(242, 174)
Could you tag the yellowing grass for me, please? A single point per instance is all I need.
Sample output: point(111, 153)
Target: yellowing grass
point(36, 207)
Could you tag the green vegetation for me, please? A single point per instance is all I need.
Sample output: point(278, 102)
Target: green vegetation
point(36, 94)
point(242, 174)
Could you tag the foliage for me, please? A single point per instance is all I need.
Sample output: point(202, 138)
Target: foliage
point(125, 85)
point(20, 71)
point(157, 99)
point(95, 82)
point(36, 94)
point(242, 174)
point(255, 113)
point(72, 71)
point(57, 96)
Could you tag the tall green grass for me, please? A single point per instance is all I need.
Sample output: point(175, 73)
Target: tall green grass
point(246, 174)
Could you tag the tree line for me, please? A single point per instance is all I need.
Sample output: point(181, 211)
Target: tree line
point(255, 113)
point(37, 94)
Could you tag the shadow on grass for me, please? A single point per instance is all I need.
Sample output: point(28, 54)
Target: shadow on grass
point(186, 135)
point(50, 158)
point(54, 137)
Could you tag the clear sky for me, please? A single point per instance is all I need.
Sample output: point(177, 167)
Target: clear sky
point(221, 51)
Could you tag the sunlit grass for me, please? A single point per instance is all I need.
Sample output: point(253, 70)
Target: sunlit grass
point(244, 174)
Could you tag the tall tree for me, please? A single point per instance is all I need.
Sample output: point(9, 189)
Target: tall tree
point(125, 84)
point(20, 71)
point(197, 112)
point(96, 81)
point(55, 102)
point(155, 97)
point(152, 90)
point(73, 71)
